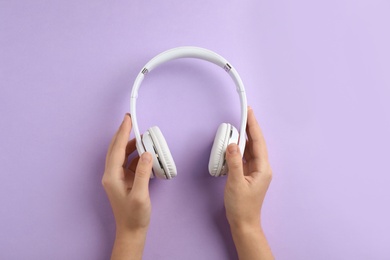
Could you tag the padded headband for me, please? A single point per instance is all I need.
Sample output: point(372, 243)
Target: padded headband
point(189, 52)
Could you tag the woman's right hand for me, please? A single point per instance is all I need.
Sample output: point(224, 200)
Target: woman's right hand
point(246, 186)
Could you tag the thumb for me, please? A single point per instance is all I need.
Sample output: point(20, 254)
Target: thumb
point(142, 173)
point(234, 161)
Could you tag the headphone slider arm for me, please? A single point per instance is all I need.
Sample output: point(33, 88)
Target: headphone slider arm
point(145, 71)
point(227, 67)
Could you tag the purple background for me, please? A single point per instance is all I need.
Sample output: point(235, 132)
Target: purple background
point(316, 74)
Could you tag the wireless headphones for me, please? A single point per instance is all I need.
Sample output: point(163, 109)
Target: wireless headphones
point(153, 140)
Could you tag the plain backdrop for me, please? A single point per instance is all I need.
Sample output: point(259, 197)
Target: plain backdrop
point(316, 74)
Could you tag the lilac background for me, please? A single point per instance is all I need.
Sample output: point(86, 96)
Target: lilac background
point(316, 74)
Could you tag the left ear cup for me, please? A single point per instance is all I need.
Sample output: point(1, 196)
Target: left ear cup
point(226, 134)
point(163, 165)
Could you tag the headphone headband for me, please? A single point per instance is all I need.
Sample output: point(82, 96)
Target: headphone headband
point(189, 52)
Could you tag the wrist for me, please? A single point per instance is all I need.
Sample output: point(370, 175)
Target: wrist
point(245, 233)
point(243, 223)
point(246, 228)
point(131, 235)
point(250, 242)
point(129, 244)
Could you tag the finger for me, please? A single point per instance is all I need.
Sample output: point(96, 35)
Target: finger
point(109, 151)
point(130, 148)
point(133, 164)
point(114, 137)
point(142, 174)
point(257, 144)
point(129, 179)
point(247, 154)
point(234, 161)
point(118, 149)
point(130, 173)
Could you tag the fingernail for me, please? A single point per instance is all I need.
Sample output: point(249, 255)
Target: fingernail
point(146, 157)
point(126, 115)
point(232, 148)
point(249, 107)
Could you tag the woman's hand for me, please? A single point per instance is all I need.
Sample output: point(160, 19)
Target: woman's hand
point(127, 188)
point(246, 186)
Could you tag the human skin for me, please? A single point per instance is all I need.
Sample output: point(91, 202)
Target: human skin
point(246, 186)
point(127, 187)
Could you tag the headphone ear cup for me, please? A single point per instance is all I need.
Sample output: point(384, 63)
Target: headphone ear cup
point(163, 165)
point(226, 134)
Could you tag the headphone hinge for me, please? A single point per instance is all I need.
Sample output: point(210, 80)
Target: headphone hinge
point(227, 67)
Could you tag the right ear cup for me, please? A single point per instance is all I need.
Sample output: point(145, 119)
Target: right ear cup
point(226, 134)
point(163, 165)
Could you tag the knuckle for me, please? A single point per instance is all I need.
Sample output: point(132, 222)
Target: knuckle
point(235, 163)
point(142, 171)
point(137, 200)
point(231, 187)
point(105, 181)
point(267, 173)
point(268, 176)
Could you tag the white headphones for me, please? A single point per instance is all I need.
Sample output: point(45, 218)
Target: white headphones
point(154, 142)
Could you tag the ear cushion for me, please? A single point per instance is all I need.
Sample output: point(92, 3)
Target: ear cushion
point(168, 170)
point(226, 134)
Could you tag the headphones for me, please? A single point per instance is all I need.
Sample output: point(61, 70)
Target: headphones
point(153, 140)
